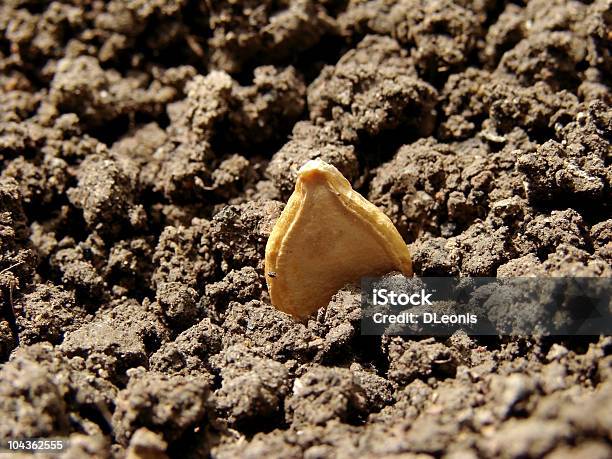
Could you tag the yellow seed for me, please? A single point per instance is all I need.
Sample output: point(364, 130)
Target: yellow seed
point(327, 236)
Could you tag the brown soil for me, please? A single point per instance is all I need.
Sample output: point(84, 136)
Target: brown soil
point(146, 149)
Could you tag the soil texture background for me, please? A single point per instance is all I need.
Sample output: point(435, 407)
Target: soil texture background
point(147, 148)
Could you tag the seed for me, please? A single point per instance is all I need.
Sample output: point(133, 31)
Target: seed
point(328, 236)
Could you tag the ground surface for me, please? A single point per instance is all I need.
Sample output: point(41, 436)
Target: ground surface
point(146, 148)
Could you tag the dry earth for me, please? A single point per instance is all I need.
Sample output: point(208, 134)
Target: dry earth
point(147, 147)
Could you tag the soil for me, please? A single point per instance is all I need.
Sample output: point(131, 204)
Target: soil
point(147, 148)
